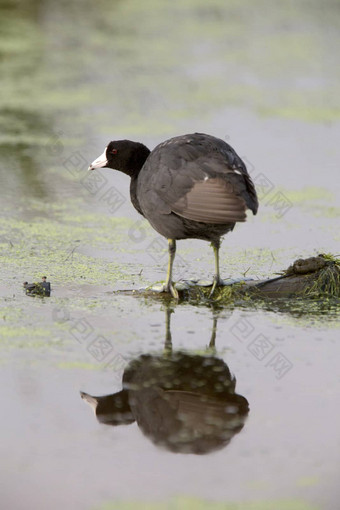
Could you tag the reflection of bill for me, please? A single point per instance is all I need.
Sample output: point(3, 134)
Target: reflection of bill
point(182, 401)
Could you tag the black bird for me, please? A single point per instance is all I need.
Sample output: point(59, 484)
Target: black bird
point(190, 186)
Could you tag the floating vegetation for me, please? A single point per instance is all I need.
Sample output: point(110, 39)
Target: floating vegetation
point(327, 280)
point(315, 280)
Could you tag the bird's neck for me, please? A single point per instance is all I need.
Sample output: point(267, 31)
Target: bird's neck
point(133, 193)
point(132, 168)
point(136, 160)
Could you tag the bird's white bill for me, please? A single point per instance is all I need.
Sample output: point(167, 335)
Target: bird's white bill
point(99, 162)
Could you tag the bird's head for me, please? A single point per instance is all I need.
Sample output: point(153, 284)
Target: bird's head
point(123, 155)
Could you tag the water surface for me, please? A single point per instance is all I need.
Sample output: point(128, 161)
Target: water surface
point(75, 75)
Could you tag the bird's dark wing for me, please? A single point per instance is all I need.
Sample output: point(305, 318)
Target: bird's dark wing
point(198, 177)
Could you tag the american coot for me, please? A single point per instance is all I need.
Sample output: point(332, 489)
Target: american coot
point(190, 186)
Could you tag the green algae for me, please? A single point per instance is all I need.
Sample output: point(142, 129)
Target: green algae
point(187, 503)
point(317, 201)
point(223, 296)
point(308, 481)
point(18, 332)
point(308, 195)
point(217, 57)
point(12, 313)
point(327, 282)
point(327, 212)
point(51, 246)
point(78, 365)
point(253, 261)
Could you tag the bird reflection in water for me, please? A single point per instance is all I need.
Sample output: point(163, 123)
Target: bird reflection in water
point(184, 402)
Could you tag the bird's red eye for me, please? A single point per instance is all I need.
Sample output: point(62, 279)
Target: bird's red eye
point(114, 151)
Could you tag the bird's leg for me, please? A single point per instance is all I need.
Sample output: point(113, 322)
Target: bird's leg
point(168, 284)
point(217, 279)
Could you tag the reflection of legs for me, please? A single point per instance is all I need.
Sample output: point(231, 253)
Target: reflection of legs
point(213, 335)
point(217, 279)
point(168, 340)
point(168, 284)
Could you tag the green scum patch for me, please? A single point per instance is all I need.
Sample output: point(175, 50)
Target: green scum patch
point(186, 503)
point(53, 248)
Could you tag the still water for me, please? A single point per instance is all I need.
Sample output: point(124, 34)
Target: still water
point(230, 407)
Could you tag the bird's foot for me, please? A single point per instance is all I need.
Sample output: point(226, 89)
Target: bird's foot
point(217, 282)
point(173, 291)
point(201, 283)
point(166, 287)
point(187, 284)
